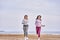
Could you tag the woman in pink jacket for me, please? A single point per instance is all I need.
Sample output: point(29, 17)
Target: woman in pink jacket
point(38, 25)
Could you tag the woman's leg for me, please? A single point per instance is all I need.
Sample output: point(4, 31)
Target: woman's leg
point(38, 30)
point(26, 31)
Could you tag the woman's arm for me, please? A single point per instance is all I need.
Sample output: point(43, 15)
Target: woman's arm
point(22, 21)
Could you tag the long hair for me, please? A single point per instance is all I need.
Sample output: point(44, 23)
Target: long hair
point(38, 16)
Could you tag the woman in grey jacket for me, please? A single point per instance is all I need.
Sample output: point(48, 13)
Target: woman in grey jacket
point(25, 26)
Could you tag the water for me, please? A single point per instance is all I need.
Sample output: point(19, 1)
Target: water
point(30, 32)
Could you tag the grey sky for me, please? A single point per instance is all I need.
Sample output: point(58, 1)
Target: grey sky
point(35, 6)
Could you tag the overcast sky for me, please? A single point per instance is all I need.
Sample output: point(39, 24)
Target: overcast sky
point(12, 12)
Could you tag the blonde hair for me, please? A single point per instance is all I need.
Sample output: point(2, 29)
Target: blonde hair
point(25, 17)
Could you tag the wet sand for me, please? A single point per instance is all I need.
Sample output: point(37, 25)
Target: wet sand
point(31, 37)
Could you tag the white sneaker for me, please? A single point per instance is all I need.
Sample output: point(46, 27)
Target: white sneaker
point(38, 38)
point(27, 38)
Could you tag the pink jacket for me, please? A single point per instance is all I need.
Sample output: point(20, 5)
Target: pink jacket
point(38, 23)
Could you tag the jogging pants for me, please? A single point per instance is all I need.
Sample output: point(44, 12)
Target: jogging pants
point(38, 30)
point(25, 29)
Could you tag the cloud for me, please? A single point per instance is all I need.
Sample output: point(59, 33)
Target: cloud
point(50, 7)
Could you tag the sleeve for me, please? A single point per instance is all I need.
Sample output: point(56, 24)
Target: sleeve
point(36, 22)
point(22, 21)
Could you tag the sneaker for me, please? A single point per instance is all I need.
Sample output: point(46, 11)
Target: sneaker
point(38, 38)
point(26, 37)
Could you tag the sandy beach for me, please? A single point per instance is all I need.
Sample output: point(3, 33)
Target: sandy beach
point(31, 37)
